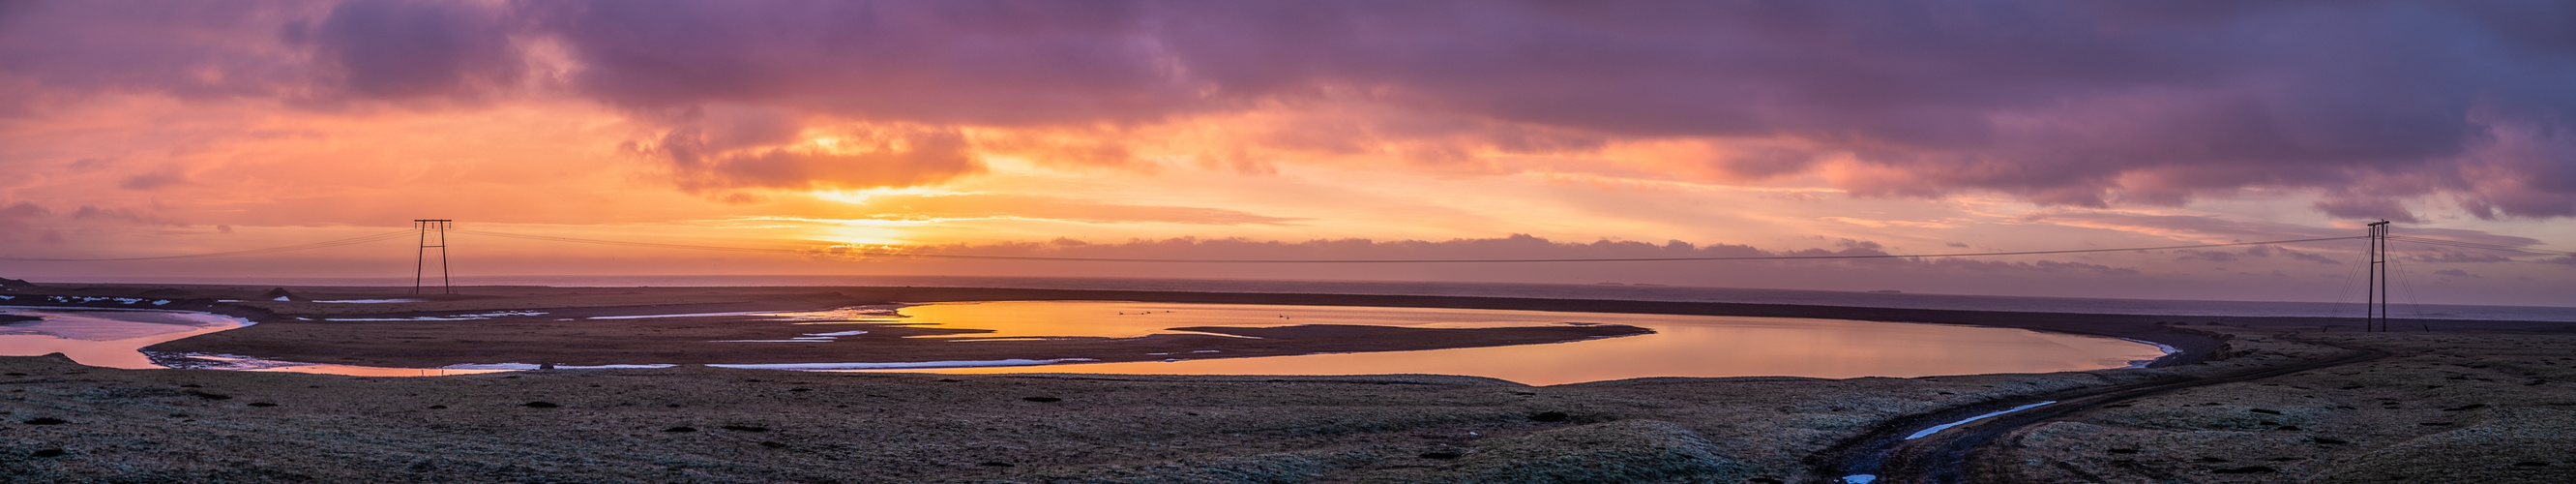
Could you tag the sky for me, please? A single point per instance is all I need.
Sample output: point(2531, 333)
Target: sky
point(1308, 130)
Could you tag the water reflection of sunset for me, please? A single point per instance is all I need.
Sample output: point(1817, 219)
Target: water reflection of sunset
point(1701, 346)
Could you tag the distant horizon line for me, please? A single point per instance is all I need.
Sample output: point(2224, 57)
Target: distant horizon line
point(392, 281)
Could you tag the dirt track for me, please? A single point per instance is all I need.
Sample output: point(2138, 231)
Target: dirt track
point(1943, 457)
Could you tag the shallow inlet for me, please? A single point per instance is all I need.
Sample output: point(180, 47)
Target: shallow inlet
point(108, 338)
point(1685, 346)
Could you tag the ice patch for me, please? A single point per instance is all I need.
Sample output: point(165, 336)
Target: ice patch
point(888, 366)
point(1938, 428)
point(2134, 364)
point(283, 299)
point(2159, 346)
point(1859, 479)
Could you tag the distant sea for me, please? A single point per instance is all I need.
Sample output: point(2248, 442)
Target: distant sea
point(1548, 291)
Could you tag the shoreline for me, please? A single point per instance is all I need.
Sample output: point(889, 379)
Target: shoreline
point(282, 336)
point(277, 317)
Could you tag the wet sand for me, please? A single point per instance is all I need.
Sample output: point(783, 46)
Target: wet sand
point(65, 422)
point(546, 326)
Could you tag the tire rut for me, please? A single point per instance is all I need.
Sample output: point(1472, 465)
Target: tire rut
point(1941, 458)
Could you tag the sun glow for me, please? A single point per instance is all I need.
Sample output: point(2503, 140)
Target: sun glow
point(861, 196)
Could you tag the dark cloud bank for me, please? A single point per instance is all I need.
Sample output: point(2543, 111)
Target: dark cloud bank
point(2466, 104)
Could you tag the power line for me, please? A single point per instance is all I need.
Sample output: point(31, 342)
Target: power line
point(316, 245)
point(1358, 261)
point(2474, 245)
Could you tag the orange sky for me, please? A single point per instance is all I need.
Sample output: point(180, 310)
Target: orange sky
point(1111, 131)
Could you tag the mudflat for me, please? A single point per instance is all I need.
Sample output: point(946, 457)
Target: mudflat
point(591, 326)
point(552, 325)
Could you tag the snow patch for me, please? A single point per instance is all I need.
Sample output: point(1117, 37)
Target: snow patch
point(1938, 428)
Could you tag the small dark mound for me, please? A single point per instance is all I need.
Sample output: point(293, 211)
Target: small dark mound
point(2264, 411)
point(682, 428)
point(210, 396)
point(949, 380)
point(2463, 408)
point(2124, 451)
point(996, 464)
point(2328, 441)
point(1441, 455)
point(745, 428)
point(1043, 399)
point(14, 283)
point(2245, 470)
point(800, 389)
point(278, 293)
point(14, 374)
point(540, 404)
point(262, 404)
point(47, 453)
point(1548, 417)
point(438, 407)
point(45, 421)
point(773, 445)
point(2293, 428)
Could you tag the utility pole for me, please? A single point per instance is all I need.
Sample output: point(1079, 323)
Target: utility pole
point(421, 262)
point(2376, 306)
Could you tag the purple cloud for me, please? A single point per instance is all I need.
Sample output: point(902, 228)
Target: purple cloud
point(395, 49)
point(2380, 107)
